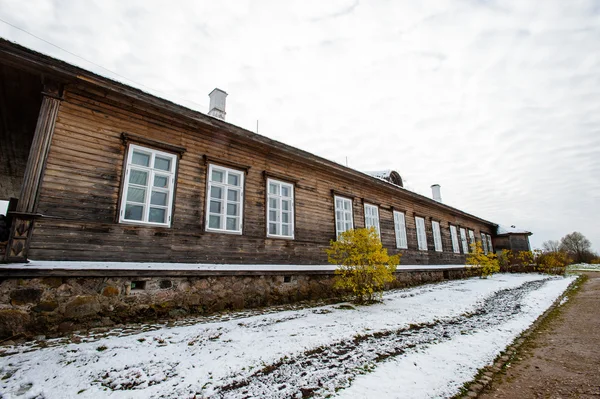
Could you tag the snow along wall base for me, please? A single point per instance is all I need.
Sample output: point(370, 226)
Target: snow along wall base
point(54, 303)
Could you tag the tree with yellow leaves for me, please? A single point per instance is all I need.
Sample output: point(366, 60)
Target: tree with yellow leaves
point(364, 266)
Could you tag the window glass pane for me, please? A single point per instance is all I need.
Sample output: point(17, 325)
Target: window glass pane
point(217, 175)
point(138, 177)
point(162, 163)
point(272, 228)
point(273, 216)
point(136, 194)
point(285, 230)
point(157, 215)
point(158, 198)
point(273, 189)
point(214, 222)
point(216, 192)
point(233, 179)
point(285, 217)
point(273, 203)
point(347, 205)
point(161, 181)
point(134, 212)
point(233, 195)
point(231, 224)
point(285, 205)
point(139, 158)
point(285, 191)
point(232, 209)
point(215, 207)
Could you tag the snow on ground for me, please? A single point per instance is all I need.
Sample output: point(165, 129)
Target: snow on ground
point(420, 342)
point(584, 267)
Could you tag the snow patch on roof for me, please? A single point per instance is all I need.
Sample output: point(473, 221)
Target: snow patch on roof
point(510, 230)
point(380, 174)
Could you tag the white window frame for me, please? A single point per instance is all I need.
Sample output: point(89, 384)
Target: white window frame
point(226, 187)
point(463, 239)
point(471, 239)
point(400, 228)
point(278, 198)
point(372, 220)
point(421, 234)
point(454, 235)
point(345, 213)
point(437, 235)
point(484, 243)
point(490, 246)
point(149, 187)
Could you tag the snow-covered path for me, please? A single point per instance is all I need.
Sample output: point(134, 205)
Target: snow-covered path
point(420, 342)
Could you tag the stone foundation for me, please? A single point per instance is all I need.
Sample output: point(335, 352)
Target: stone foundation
point(55, 305)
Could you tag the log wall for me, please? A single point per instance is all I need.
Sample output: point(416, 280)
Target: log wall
point(80, 193)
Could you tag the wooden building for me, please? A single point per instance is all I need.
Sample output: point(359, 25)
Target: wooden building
point(105, 172)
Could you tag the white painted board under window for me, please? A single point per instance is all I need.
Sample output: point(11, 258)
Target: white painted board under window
point(280, 212)
point(471, 240)
point(400, 228)
point(225, 198)
point(484, 243)
point(421, 235)
point(343, 215)
point(463, 239)
point(372, 217)
point(437, 236)
point(149, 186)
point(454, 235)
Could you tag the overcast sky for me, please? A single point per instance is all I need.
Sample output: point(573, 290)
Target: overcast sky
point(497, 101)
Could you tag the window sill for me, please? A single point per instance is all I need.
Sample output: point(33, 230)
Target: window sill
point(238, 233)
point(280, 237)
point(146, 224)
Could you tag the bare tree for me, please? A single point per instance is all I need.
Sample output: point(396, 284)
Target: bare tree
point(576, 245)
point(551, 246)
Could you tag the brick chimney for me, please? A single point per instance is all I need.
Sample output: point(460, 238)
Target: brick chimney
point(217, 104)
point(436, 192)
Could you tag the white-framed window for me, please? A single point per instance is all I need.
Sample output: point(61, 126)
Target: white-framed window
point(372, 217)
point(489, 240)
point(463, 239)
point(437, 236)
point(471, 240)
point(400, 227)
point(484, 243)
point(225, 199)
point(148, 189)
point(343, 215)
point(280, 212)
point(454, 236)
point(421, 235)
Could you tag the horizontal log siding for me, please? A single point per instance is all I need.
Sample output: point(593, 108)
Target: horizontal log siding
point(80, 195)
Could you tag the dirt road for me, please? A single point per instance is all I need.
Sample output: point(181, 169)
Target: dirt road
point(562, 358)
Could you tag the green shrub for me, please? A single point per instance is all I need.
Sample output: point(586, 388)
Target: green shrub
point(480, 263)
point(364, 266)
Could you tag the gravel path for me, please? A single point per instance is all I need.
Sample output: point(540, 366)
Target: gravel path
point(562, 358)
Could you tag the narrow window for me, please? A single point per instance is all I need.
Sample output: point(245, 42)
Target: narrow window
point(343, 215)
point(148, 189)
point(489, 240)
point(225, 199)
point(463, 239)
point(471, 240)
point(280, 212)
point(372, 217)
point(454, 235)
point(421, 236)
point(400, 227)
point(484, 243)
point(437, 236)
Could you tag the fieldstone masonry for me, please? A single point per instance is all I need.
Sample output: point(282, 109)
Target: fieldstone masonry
point(56, 305)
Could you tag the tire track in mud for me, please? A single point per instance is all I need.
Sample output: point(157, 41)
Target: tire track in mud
point(324, 370)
